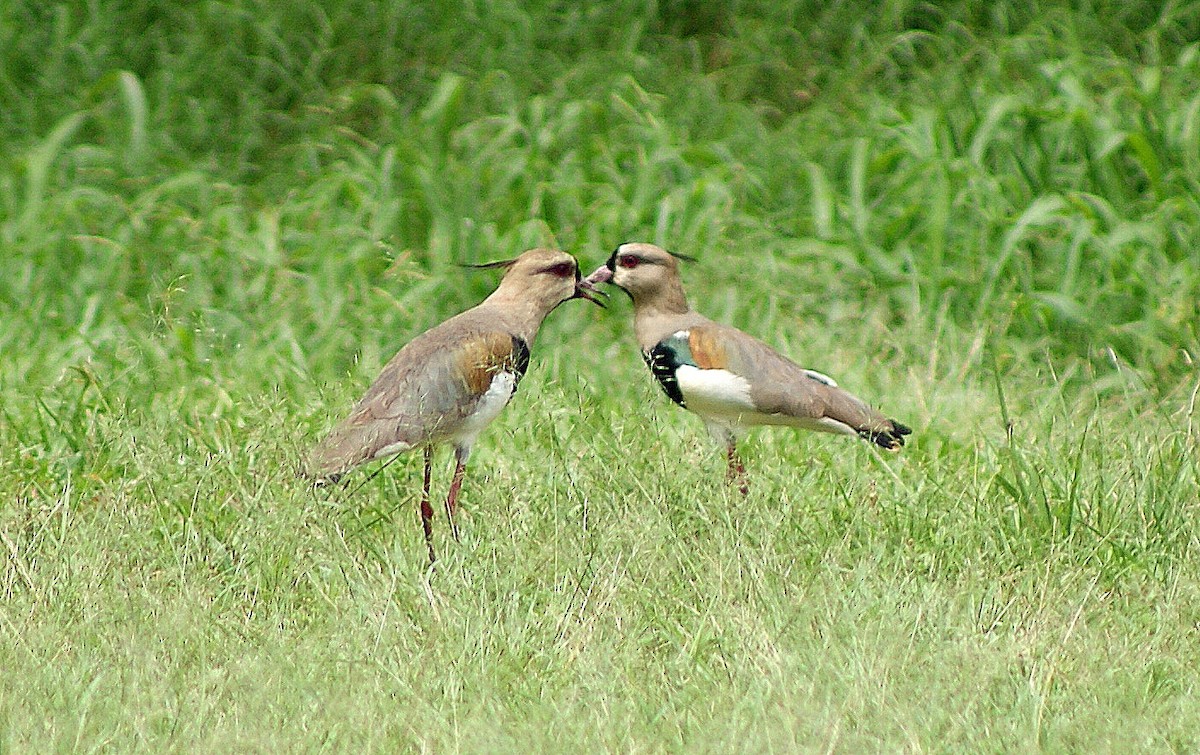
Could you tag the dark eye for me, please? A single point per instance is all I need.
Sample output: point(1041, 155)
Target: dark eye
point(562, 269)
point(628, 260)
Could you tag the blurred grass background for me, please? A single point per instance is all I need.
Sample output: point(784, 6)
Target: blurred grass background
point(219, 219)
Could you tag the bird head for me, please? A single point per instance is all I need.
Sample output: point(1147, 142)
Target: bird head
point(644, 271)
point(547, 276)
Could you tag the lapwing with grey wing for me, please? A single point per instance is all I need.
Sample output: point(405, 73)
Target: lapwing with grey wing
point(447, 384)
point(730, 379)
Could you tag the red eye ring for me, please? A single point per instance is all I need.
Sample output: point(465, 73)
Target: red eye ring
point(628, 261)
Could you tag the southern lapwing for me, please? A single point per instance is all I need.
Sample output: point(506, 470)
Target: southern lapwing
point(732, 380)
point(448, 383)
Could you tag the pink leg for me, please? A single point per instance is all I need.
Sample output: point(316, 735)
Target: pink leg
point(426, 508)
point(737, 471)
point(460, 468)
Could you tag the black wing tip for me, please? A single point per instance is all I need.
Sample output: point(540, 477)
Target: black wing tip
point(318, 479)
point(892, 440)
point(319, 471)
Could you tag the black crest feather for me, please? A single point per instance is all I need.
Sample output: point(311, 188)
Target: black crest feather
point(505, 264)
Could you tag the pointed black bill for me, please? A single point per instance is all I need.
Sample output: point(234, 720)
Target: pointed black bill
point(585, 289)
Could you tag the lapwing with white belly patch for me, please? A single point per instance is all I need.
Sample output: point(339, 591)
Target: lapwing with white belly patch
point(732, 380)
point(450, 382)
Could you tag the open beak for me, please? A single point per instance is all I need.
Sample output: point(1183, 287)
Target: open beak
point(585, 289)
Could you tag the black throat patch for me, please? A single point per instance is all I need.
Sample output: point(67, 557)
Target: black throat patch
point(519, 360)
point(665, 358)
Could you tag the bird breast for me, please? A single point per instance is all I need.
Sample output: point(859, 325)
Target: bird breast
point(487, 408)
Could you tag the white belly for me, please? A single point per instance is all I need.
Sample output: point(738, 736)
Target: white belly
point(714, 393)
point(493, 400)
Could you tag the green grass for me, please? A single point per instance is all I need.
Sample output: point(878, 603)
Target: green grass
point(219, 220)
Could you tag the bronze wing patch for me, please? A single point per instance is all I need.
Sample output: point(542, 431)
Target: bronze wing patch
point(485, 356)
point(708, 349)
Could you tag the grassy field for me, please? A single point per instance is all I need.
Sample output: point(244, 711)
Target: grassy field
point(219, 219)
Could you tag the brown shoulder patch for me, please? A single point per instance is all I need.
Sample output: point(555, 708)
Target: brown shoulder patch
point(482, 357)
point(707, 349)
